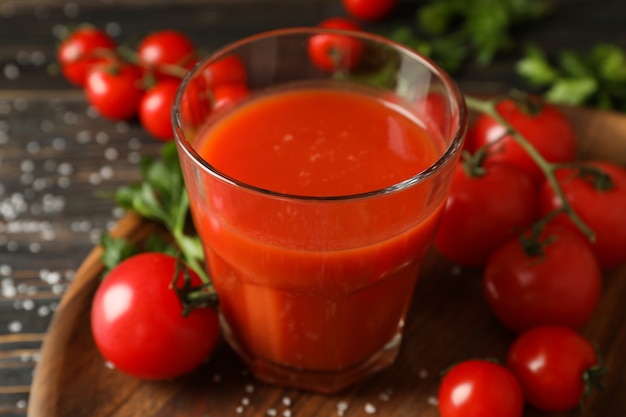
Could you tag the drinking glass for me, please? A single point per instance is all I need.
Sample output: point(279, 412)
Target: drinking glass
point(314, 286)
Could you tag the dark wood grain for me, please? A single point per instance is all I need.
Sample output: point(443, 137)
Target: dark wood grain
point(34, 109)
point(449, 322)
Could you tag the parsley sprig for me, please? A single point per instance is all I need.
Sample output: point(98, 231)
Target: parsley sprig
point(161, 196)
point(453, 32)
point(597, 78)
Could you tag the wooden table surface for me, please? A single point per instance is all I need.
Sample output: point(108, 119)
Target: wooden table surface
point(59, 162)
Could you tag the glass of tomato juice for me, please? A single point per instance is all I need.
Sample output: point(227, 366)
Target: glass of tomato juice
point(317, 163)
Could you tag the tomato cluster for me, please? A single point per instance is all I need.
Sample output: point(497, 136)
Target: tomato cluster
point(548, 367)
point(543, 227)
point(532, 216)
point(124, 84)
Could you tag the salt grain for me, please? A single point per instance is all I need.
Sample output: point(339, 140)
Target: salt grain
point(21, 404)
point(15, 326)
point(286, 401)
point(423, 373)
point(113, 29)
point(47, 126)
point(121, 127)
point(11, 71)
point(34, 247)
point(287, 413)
point(27, 165)
point(43, 311)
point(239, 409)
point(271, 412)
point(342, 407)
point(369, 408)
point(59, 144)
point(249, 388)
point(37, 58)
point(28, 305)
point(84, 136)
point(71, 9)
point(102, 138)
point(33, 147)
point(111, 154)
point(432, 401)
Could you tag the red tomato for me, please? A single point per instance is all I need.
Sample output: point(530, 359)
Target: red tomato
point(331, 52)
point(561, 285)
point(550, 363)
point(115, 90)
point(80, 51)
point(166, 47)
point(137, 323)
point(478, 388)
point(155, 109)
point(603, 210)
point(228, 70)
point(549, 131)
point(370, 10)
point(225, 94)
point(483, 212)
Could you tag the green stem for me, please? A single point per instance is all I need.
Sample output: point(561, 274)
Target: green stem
point(488, 107)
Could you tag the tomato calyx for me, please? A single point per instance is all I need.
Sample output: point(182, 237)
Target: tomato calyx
point(192, 296)
point(529, 104)
point(489, 108)
point(533, 243)
point(593, 378)
point(600, 180)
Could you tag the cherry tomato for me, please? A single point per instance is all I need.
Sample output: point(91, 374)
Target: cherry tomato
point(331, 52)
point(80, 51)
point(155, 109)
point(228, 70)
point(115, 90)
point(550, 363)
point(602, 208)
point(369, 10)
point(166, 47)
point(548, 130)
point(137, 320)
point(561, 285)
point(479, 388)
point(483, 212)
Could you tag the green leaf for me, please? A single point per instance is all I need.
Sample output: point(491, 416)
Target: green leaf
point(610, 61)
point(435, 18)
point(115, 250)
point(574, 65)
point(572, 91)
point(535, 68)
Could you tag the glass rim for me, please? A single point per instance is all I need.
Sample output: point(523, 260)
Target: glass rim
point(450, 85)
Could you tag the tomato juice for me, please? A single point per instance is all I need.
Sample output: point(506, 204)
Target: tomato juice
point(314, 265)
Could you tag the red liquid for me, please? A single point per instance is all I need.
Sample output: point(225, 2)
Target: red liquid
point(320, 285)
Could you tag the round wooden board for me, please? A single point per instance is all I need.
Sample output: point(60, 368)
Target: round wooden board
point(448, 322)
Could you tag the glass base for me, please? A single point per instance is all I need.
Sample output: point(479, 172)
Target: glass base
point(324, 382)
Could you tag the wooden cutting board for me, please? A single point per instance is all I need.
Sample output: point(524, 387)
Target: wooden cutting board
point(449, 322)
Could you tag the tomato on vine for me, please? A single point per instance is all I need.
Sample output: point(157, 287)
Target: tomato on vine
point(369, 10)
point(155, 109)
point(556, 366)
point(541, 123)
point(137, 320)
point(480, 388)
point(331, 52)
point(166, 48)
point(81, 50)
point(596, 191)
point(552, 278)
point(486, 207)
point(227, 70)
point(115, 90)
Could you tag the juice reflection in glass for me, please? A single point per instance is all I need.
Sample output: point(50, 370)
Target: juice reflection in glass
point(316, 197)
